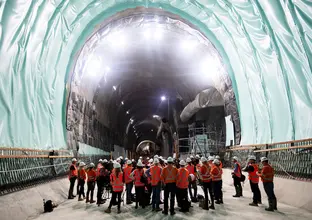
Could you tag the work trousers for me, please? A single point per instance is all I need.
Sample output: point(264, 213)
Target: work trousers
point(256, 192)
point(113, 199)
point(238, 185)
point(181, 195)
point(139, 193)
point(194, 186)
point(156, 196)
point(71, 186)
point(100, 187)
point(91, 186)
point(170, 188)
point(81, 183)
point(217, 190)
point(269, 190)
point(149, 190)
point(129, 187)
point(208, 187)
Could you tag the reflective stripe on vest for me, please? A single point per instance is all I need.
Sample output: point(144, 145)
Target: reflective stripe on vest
point(155, 175)
point(170, 178)
point(253, 177)
point(206, 176)
point(267, 173)
point(72, 173)
point(127, 172)
point(182, 179)
point(218, 176)
point(190, 168)
point(117, 183)
point(137, 176)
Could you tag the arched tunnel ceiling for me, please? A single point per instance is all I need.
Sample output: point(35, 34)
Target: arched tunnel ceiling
point(265, 46)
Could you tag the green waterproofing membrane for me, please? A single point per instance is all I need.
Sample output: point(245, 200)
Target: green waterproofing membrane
point(265, 45)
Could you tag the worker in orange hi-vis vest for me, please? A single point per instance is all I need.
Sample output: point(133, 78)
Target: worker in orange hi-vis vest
point(128, 180)
point(138, 176)
point(192, 183)
point(91, 173)
point(252, 169)
point(216, 175)
point(72, 176)
point(267, 176)
point(154, 173)
point(82, 176)
point(169, 177)
point(116, 180)
point(182, 186)
point(206, 179)
point(236, 175)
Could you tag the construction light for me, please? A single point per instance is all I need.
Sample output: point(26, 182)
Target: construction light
point(163, 98)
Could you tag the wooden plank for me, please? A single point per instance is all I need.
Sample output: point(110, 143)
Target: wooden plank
point(289, 142)
point(61, 156)
point(284, 148)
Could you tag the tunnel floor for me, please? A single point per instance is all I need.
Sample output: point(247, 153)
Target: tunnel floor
point(232, 208)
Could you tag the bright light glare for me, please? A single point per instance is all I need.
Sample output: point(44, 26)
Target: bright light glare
point(117, 40)
point(155, 116)
point(163, 98)
point(93, 66)
point(188, 44)
point(128, 114)
point(147, 34)
point(114, 88)
point(107, 69)
point(122, 103)
point(211, 67)
point(158, 35)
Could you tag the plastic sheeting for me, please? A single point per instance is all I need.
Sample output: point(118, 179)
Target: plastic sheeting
point(265, 45)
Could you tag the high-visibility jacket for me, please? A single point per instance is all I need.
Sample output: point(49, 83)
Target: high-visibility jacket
point(205, 173)
point(237, 170)
point(137, 177)
point(216, 173)
point(253, 176)
point(116, 182)
point(267, 174)
point(182, 178)
point(82, 174)
point(169, 175)
point(73, 172)
point(98, 168)
point(190, 168)
point(127, 172)
point(91, 175)
point(155, 172)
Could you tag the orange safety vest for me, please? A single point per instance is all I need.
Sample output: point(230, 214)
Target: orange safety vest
point(216, 173)
point(238, 172)
point(116, 183)
point(169, 176)
point(155, 172)
point(267, 174)
point(190, 168)
point(72, 173)
point(127, 172)
point(137, 177)
point(253, 177)
point(82, 174)
point(205, 172)
point(98, 169)
point(91, 175)
point(182, 178)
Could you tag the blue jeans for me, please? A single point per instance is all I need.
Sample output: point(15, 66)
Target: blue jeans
point(129, 187)
point(156, 196)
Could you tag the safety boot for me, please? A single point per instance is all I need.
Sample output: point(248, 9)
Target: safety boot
point(253, 204)
point(212, 204)
point(236, 192)
point(118, 211)
point(270, 208)
point(108, 210)
point(274, 204)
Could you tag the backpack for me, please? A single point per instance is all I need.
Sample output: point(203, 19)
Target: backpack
point(48, 206)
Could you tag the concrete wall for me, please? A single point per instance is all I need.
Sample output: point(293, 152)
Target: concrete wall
point(291, 192)
point(29, 202)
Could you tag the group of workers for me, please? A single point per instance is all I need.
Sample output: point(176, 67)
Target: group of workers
point(176, 177)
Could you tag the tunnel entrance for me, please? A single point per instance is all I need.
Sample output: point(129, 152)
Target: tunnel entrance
point(134, 77)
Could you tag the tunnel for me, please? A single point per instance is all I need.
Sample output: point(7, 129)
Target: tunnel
point(104, 79)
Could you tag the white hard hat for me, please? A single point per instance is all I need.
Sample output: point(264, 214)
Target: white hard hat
point(91, 165)
point(121, 157)
point(170, 160)
point(191, 156)
point(140, 158)
point(74, 160)
point(235, 158)
point(132, 160)
point(192, 176)
point(161, 157)
point(264, 159)
point(104, 161)
point(150, 160)
point(156, 161)
point(117, 165)
point(197, 156)
point(156, 156)
point(126, 159)
point(203, 159)
point(140, 164)
point(118, 159)
point(82, 164)
point(129, 162)
point(218, 157)
point(188, 160)
point(165, 161)
point(216, 161)
point(210, 158)
point(147, 158)
point(100, 160)
point(252, 157)
point(182, 163)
